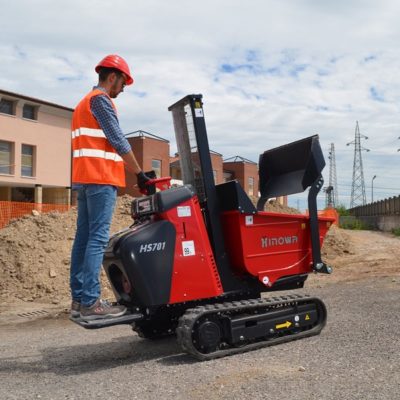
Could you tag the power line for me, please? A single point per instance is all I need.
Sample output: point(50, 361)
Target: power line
point(375, 187)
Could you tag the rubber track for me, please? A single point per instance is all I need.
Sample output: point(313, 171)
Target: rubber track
point(187, 321)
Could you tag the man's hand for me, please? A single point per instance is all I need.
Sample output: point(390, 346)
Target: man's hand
point(142, 178)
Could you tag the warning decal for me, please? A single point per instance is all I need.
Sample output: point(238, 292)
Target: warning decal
point(184, 211)
point(198, 112)
point(188, 248)
point(249, 220)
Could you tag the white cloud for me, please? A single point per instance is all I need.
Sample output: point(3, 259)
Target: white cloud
point(270, 71)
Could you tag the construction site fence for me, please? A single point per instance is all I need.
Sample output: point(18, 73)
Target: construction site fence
point(390, 206)
point(10, 210)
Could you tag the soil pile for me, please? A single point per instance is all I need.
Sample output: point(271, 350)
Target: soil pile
point(276, 207)
point(35, 253)
point(337, 242)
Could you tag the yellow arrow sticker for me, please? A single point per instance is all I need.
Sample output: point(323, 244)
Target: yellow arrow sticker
point(307, 317)
point(286, 324)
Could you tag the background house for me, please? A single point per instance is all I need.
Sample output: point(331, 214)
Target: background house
point(35, 150)
point(35, 154)
point(152, 153)
point(245, 171)
point(216, 164)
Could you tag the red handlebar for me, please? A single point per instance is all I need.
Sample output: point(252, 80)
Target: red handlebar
point(158, 183)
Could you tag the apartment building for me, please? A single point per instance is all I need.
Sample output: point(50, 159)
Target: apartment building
point(35, 154)
point(245, 171)
point(152, 153)
point(239, 168)
point(35, 150)
point(216, 165)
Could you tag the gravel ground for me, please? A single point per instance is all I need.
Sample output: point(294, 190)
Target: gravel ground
point(357, 356)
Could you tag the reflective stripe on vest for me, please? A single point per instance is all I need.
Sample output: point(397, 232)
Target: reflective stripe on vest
point(88, 132)
point(97, 153)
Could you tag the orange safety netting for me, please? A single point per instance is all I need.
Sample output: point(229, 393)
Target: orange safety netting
point(330, 212)
point(13, 209)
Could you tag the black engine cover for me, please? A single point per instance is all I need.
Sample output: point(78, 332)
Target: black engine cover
point(146, 254)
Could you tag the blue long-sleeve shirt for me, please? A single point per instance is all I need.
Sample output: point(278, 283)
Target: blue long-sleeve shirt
point(105, 115)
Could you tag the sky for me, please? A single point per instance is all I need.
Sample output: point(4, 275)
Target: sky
point(270, 71)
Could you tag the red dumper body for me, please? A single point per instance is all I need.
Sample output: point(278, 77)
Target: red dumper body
point(269, 245)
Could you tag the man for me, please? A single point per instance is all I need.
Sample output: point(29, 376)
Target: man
point(99, 152)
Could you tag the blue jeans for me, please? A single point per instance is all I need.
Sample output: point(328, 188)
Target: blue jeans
point(95, 208)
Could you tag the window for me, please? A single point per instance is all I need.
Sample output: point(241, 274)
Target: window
point(228, 176)
point(215, 175)
point(6, 158)
point(26, 195)
point(29, 112)
point(251, 186)
point(7, 106)
point(156, 167)
point(27, 154)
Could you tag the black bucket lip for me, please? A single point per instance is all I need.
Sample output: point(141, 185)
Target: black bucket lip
point(290, 168)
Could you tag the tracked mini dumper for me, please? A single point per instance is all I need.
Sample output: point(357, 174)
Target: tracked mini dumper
point(198, 257)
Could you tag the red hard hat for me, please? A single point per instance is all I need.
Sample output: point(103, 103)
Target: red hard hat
point(115, 61)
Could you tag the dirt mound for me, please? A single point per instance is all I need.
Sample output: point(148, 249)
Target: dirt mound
point(35, 253)
point(337, 242)
point(276, 207)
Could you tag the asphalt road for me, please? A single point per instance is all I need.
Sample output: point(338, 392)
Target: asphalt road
point(357, 356)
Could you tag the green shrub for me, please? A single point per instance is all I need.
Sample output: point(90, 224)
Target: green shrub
point(396, 231)
point(342, 210)
point(354, 224)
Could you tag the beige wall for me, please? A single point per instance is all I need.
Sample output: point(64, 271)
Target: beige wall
point(51, 136)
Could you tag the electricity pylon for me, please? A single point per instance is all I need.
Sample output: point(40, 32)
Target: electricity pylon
point(358, 185)
point(332, 196)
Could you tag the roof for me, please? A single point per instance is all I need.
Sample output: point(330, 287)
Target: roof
point(141, 133)
point(239, 159)
point(194, 150)
point(34, 100)
point(177, 164)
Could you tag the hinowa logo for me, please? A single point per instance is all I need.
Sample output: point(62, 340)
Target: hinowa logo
point(278, 241)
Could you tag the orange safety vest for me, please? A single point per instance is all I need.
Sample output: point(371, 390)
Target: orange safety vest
point(94, 160)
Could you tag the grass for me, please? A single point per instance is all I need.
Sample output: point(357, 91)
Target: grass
point(355, 224)
point(396, 231)
point(342, 210)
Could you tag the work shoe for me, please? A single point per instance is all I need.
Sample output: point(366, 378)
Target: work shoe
point(75, 309)
point(101, 309)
